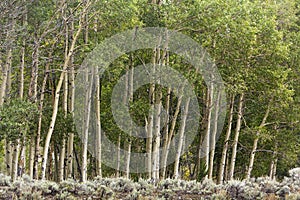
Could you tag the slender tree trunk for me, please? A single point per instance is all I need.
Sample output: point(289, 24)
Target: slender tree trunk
point(4, 76)
point(161, 61)
point(56, 161)
point(128, 159)
point(8, 157)
point(6, 72)
point(167, 123)
point(88, 99)
point(273, 164)
point(198, 164)
point(15, 160)
point(274, 167)
point(181, 138)
point(125, 101)
point(254, 147)
point(63, 142)
point(21, 89)
point(172, 129)
point(226, 174)
point(56, 100)
point(70, 152)
point(38, 136)
point(166, 134)
point(156, 127)
point(236, 136)
point(3, 83)
point(201, 135)
point(5, 93)
point(22, 163)
point(149, 142)
point(99, 132)
point(77, 167)
point(65, 98)
point(156, 156)
point(214, 133)
point(225, 146)
point(130, 95)
point(32, 92)
point(118, 157)
point(206, 142)
point(150, 123)
point(32, 95)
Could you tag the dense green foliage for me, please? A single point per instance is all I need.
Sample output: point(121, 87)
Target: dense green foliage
point(254, 44)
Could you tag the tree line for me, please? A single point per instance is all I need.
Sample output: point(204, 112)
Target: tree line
point(254, 45)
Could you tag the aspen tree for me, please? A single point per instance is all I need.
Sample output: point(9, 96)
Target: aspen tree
point(255, 142)
point(58, 88)
point(226, 141)
point(236, 136)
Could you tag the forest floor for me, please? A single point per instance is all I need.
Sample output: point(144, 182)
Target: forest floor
point(124, 189)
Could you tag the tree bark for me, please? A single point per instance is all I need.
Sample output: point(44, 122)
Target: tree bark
point(56, 100)
point(254, 147)
point(236, 136)
point(88, 99)
point(4, 93)
point(32, 95)
point(206, 142)
point(156, 155)
point(6, 72)
point(130, 95)
point(181, 138)
point(99, 132)
point(128, 159)
point(225, 146)
point(150, 121)
point(65, 97)
point(213, 137)
point(15, 160)
point(166, 134)
point(118, 157)
point(8, 157)
point(38, 136)
point(70, 147)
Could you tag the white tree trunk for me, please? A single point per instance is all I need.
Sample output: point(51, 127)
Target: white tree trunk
point(225, 146)
point(70, 148)
point(5, 90)
point(150, 121)
point(254, 147)
point(98, 137)
point(15, 160)
point(61, 166)
point(118, 157)
point(56, 100)
point(172, 132)
point(206, 142)
point(130, 95)
point(236, 136)
point(6, 79)
point(88, 99)
point(181, 138)
point(166, 134)
point(213, 136)
point(128, 159)
point(8, 157)
point(35, 172)
point(156, 156)
point(4, 75)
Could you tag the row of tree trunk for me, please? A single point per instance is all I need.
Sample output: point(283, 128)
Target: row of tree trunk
point(15, 153)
